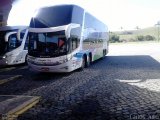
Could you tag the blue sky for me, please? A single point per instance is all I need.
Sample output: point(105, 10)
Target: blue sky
point(115, 13)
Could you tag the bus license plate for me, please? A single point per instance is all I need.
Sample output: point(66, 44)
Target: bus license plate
point(45, 69)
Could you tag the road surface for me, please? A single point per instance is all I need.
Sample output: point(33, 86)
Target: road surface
point(123, 85)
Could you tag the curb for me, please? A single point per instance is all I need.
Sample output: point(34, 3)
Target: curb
point(11, 112)
point(2, 81)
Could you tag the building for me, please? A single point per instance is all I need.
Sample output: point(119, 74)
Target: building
point(5, 8)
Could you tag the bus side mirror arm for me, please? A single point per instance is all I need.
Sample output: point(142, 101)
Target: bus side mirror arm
point(19, 32)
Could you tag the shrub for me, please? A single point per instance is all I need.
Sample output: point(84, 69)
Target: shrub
point(149, 37)
point(114, 38)
point(145, 38)
point(140, 38)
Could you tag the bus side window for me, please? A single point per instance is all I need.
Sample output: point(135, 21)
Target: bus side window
point(75, 37)
point(33, 41)
point(75, 43)
point(13, 42)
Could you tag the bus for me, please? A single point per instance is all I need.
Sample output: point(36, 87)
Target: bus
point(64, 38)
point(13, 45)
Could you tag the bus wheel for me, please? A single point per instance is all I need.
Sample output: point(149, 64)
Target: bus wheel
point(83, 63)
point(89, 60)
point(26, 59)
point(104, 53)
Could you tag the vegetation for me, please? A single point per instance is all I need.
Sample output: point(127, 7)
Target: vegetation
point(148, 34)
point(114, 38)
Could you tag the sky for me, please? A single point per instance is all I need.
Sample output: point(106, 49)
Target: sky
point(116, 14)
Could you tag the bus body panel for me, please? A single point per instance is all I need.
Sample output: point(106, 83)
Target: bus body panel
point(13, 58)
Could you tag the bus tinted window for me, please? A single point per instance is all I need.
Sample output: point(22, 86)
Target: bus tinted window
point(13, 42)
point(52, 16)
point(57, 16)
point(75, 37)
point(92, 22)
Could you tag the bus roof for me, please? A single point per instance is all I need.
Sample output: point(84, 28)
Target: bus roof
point(59, 15)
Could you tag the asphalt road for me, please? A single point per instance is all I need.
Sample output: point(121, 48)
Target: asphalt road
point(124, 85)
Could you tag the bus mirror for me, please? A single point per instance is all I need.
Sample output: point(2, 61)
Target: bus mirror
point(18, 36)
point(8, 35)
point(21, 33)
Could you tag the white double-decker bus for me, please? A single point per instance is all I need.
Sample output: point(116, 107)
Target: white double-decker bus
point(13, 45)
point(64, 38)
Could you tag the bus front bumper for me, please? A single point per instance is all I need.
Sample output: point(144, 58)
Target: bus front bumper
point(58, 68)
point(3, 61)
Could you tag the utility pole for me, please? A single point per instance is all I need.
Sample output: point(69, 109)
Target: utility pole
point(137, 33)
point(158, 24)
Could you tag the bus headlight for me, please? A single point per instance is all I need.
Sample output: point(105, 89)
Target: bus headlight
point(4, 57)
point(65, 60)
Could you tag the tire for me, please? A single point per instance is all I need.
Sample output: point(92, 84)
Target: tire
point(83, 63)
point(104, 53)
point(89, 60)
point(26, 59)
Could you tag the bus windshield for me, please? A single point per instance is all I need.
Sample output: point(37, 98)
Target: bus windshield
point(49, 44)
point(2, 43)
point(12, 43)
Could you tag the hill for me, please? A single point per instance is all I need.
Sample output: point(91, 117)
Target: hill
point(146, 34)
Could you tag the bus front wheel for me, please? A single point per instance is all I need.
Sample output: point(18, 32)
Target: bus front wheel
point(104, 53)
point(26, 59)
point(84, 62)
point(89, 60)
